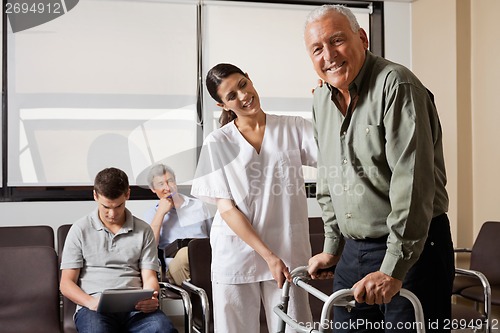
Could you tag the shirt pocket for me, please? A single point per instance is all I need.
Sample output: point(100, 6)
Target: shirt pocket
point(232, 256)
point(369, 145)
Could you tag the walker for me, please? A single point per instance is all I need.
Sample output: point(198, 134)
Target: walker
point(342, 297)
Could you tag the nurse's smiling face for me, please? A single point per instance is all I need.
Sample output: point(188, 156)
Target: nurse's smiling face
point(239, 95)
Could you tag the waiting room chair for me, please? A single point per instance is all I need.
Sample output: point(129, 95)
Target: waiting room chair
point(67, 307)
point(173, 292)
point(33, 235)
point(473, 318)
point(200, 285)
point(316, 226)
point(484, 258)
point(29, 291)
point(169, 292)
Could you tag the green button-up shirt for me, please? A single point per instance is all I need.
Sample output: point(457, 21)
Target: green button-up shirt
point(380, 167)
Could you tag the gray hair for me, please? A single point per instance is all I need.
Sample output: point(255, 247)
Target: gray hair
point(158, 170)
point(320, 12)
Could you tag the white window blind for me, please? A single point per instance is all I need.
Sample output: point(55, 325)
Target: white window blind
point(110, 83)
point(114, 83)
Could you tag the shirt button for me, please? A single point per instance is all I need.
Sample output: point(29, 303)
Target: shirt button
point(344, 133)
point(348, 215)
point(346, 188)
point(344, 161)
point(367, 130)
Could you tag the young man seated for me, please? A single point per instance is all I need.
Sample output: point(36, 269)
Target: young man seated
point(109, 249)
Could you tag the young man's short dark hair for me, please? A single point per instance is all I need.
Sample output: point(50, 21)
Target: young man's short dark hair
point(111, 183)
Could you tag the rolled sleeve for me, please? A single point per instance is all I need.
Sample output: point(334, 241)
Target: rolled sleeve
point(149, 256)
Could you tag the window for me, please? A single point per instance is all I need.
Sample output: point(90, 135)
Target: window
point(116, 83)
point(110, 83)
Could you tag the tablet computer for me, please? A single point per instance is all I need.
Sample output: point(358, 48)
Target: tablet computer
point(122, 300)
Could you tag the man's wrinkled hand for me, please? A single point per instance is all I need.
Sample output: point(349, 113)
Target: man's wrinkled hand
point(319, 263)
point(376, 288)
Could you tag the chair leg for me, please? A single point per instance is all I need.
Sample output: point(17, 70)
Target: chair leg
point(186, 302)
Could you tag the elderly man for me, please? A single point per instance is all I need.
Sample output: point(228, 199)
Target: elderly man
point(175, 216)
point(381, 180)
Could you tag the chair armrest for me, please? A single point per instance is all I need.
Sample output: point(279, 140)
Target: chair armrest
point(205, 304)
point(486, 290)
point(186, 301)
point(480, 276)
point(462, 250)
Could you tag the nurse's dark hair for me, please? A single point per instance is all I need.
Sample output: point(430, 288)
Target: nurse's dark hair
point(215, 76)
point(111, 183)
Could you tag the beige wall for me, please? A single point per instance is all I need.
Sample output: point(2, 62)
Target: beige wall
point(485, 50)
point(454, 52)
point(434, 62)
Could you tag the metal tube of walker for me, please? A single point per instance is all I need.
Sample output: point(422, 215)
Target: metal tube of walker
point(339, 298)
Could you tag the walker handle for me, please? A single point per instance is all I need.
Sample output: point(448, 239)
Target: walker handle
point(343, 297)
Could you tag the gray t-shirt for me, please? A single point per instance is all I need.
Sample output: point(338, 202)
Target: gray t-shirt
point(109, 260)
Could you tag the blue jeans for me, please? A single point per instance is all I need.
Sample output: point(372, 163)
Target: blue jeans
point(88, 321)
point(431, 279)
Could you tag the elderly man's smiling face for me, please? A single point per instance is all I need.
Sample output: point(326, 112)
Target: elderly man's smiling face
point(337, 52)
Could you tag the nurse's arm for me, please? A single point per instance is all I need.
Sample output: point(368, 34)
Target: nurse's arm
point(239, 223)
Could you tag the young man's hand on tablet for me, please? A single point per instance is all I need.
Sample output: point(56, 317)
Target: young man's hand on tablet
point(148, 305)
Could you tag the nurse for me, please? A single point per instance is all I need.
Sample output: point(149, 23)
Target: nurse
point(251, 168)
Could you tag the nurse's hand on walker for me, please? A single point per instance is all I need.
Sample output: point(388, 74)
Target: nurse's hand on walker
point(319, 264)
point(278, 269)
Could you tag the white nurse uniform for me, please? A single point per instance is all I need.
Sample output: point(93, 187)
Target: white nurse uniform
point(268, 188)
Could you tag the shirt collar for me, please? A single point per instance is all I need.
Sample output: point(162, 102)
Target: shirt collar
point(187, 200)
point(358, 81)
point(126, 227)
